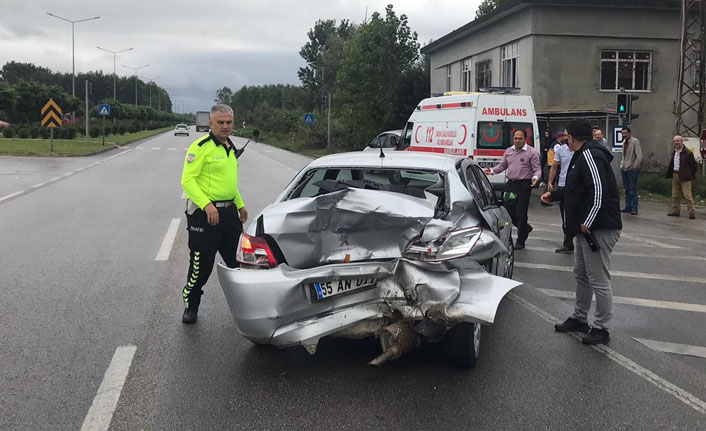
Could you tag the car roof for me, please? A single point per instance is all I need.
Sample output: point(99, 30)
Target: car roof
point(392, 159)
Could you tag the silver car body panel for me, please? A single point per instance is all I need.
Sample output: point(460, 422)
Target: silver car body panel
point(370, 230)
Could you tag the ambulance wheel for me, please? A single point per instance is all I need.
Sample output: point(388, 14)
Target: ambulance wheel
point(462, 344)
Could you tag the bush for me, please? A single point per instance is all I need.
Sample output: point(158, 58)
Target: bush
point(24, 133)
point(44, 132)
point(8, 132)
point(95, 132)
point(34, 132)
point(122, 128)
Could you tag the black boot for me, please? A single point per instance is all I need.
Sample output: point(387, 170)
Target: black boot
point(190, 315)
point(596, 336)
point(572, 325)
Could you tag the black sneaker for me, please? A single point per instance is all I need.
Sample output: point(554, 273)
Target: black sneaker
point(596, 336)
point(572, 325)
point(564, 249)
point(673, 214)
point(519, 245)
point(625, 210)
point(190, 315)
point(633, 212)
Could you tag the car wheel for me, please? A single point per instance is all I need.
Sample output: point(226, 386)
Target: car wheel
point(510, 261)
point(462, 344)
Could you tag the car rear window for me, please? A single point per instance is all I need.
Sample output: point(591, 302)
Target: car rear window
point(493, 135)
point(320, 181)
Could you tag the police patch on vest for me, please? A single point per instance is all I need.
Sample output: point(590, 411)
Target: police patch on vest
point(190, 158)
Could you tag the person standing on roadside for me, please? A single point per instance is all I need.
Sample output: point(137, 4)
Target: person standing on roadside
point(215, 210)
point(682, 171)
point(598, 137)
point(592, 213)
point(562, 157)
point(630, 168)
point(523, 173)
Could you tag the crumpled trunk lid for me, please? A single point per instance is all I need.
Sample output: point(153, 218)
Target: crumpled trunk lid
point(362, 224)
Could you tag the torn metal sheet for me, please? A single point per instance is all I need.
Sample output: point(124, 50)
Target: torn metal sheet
point(364, 224)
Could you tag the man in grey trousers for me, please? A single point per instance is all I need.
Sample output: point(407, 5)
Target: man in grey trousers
point(592, 214)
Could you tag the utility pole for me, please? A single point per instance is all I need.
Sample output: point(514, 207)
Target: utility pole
point(135, 69)
point(691, 104)
point(85, 117)
point(115, 97)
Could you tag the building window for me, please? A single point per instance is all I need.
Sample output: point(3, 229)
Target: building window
point(466, 75)
point(448, 78)
point(509, 65)
point(483, 74)
point(631, 70)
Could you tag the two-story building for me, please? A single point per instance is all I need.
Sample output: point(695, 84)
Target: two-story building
point(573, 57)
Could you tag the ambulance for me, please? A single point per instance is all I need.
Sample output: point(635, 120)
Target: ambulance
point(476, 125)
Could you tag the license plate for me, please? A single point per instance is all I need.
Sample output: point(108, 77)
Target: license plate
point(327, 289)
point(487, 164)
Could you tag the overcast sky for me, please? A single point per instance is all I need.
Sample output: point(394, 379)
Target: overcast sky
point(196, 46)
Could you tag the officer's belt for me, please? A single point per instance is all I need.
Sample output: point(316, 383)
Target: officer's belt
point(191, 207)
point(222, 204)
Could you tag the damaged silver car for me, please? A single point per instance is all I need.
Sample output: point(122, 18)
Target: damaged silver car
point(406, 247)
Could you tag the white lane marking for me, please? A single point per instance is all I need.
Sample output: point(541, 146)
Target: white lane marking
point(168, 241)
point(106, 400)
point(139, 148)
point(276, 161)
point(627, 254)
point(664, 385)
point(619, 245)
point(11, 195)
point(37, 185)
point(673, 238)
point(635, 238)
point(53, 179)
point(700, 280)
point(679, 349)
point(171, 149)
point(114, 156)
point(68, 174)
point(652, 303)
point(156, 148)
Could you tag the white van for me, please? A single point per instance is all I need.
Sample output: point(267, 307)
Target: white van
point(476, 125)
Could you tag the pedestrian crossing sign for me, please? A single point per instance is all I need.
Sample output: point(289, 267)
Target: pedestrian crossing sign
point(104, 110)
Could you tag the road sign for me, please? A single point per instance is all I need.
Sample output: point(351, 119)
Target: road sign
point(309, 118)
point(104, 110)
point(51, 114)
point(618, 138)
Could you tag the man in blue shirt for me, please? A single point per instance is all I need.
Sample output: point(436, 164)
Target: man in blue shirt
point(562, 157)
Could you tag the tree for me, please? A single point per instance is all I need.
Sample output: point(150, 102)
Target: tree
point(223, 95)
point(488, 6)
point(372, 75)
point(323, 54)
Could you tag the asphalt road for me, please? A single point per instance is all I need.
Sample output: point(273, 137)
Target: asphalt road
point(82, 280)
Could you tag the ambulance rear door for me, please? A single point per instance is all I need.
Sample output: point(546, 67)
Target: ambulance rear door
point(442, 126)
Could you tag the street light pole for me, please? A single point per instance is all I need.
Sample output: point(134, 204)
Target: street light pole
point(135, 69)
point(115, 97)
point(150, 81)
point(73, 62)
point(73, 57)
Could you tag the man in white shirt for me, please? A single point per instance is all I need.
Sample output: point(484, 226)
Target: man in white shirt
point(562, 157)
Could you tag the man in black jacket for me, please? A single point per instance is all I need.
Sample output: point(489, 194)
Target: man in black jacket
point(592, 213)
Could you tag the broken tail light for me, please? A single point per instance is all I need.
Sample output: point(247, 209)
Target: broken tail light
point(454, 244)
point(255, 251)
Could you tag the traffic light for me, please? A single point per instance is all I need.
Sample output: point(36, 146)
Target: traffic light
point(623, 104)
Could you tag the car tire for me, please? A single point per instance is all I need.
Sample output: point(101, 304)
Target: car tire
point(510, 262)
point(462, 344)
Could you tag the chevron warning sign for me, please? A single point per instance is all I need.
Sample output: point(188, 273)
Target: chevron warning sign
point(51, 114)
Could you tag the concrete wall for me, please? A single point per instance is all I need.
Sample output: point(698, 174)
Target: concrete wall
point(559, 61)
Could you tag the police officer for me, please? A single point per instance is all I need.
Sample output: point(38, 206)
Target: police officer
point(215, 210)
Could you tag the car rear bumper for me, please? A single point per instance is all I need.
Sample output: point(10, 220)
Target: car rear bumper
point(275, 306)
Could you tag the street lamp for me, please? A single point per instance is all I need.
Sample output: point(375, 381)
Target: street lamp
point(73, 62)
point(135, 69)
point(115, 97)
point(150, 81)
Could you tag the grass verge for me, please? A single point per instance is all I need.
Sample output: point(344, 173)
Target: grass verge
point(73, 147)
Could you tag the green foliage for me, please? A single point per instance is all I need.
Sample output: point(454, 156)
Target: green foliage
point(372, 75)
point(487, 6)
point(223, 95)
point(656, 184)
point(8, 132)
point(23, 133)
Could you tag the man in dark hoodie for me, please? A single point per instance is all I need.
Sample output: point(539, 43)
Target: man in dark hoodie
point(592, 213)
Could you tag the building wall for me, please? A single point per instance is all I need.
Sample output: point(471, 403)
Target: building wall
point(559, 61)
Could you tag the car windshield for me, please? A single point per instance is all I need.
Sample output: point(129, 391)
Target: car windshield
point(181, 126)
point(320, 181)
